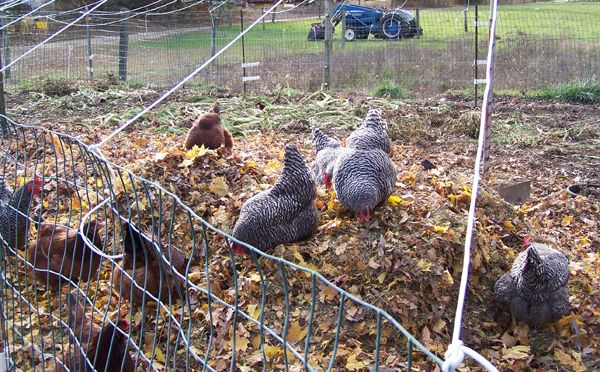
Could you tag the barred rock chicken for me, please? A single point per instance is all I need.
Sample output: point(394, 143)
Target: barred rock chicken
point(63, 250)
point(328, 151)
point(535, 287)
point(363, 179)
point(105, 349)
point(207, 131)
point(14, 212)
point(371, 135)
point(142, 262)
point(283, 214)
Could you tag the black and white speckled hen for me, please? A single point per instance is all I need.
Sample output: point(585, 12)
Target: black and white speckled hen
point(282, 214)
point(328, 151)
point(535, 287)
point(363, 179)
point(371, 135)
point(14, 212)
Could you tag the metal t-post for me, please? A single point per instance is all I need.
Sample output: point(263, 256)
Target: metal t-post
point(328, 44)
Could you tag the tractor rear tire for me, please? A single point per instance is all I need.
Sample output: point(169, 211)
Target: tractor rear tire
point(393, 26)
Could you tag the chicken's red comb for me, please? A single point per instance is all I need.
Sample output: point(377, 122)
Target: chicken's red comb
point(123, 325)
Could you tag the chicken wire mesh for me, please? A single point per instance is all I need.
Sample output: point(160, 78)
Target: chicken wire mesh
point(538, 44)
point(69, 301)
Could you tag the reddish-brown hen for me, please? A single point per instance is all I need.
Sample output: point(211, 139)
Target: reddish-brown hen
point(207, 131)
point(142, 261)
point(103, 348)
point(62, 250)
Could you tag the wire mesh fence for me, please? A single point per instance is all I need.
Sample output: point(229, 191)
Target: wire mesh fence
point(120, 274)
point(538, 44)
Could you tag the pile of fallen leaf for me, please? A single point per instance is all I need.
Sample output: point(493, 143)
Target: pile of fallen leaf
point(407, 261)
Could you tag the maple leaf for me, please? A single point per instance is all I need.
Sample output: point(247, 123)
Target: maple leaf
point(186, 163)
point(219, 187)
point(196, 152)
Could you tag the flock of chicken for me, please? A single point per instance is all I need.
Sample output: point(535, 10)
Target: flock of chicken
point(362, 175)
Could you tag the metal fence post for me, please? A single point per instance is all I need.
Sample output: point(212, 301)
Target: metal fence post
point(3, 122)
point(123, 46)
point(328, 44)
point(88, 33)
point(243, 51)
point(263, 20)
point(418, 21)
point(466, 19)
point(476, 52)
point(213, 35)
point(343, 27)
point(5, 48)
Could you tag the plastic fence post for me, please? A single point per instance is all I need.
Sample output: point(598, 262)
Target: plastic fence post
point(377, 342)
point(213, 35)
point(410, 351)
point(123, 47)
point(3, 122)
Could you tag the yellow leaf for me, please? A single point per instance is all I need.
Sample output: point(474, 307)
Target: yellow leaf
point(296, 332)
point(395, 201)
point(248, 166)
point(567, 220)
point(219, 187)
point(439, 326)
point(583, 242)
point(441, 229)
point(424, 265)
point(381, 278)
point(410, 178)
point(159, 355)
point(271, 351)
point(196, 152)
point(254, 311)
point(45, 203)
point(516, 352)
point(508, 225)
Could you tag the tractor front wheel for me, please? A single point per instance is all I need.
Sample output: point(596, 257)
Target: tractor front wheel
point(349, 34)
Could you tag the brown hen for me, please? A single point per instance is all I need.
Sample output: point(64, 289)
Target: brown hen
point(100, 348)
point(143, 262)
point(62, 250)
point(207, 131)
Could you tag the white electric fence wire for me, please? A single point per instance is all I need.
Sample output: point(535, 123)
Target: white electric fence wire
point(98, 4)
point(26, 14)
point(117, 20)
point(97, 146)
point(12, 4)
point(291, 8)
point(177, 10)
point(456, 350)
point(218, 6)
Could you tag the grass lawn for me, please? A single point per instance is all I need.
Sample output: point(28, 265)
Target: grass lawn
point(547, 20)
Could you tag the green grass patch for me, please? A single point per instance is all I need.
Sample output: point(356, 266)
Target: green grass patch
point(390, 89)
point(586, 91)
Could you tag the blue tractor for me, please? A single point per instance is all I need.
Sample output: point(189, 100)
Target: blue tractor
point(363, 20)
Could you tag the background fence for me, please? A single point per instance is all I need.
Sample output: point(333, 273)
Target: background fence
point(538, 44)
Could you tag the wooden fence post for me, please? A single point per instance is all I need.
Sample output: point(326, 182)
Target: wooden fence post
point(123, 47)
point(328, 44)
